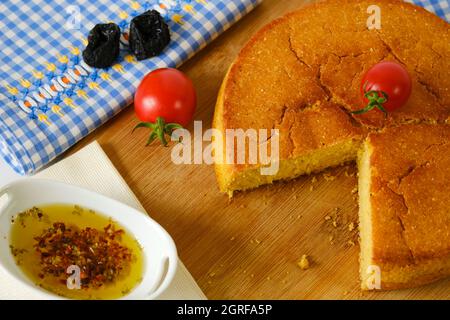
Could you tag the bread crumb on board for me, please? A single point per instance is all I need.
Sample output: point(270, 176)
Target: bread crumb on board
point(340, 228)
point(329, 177)
point(351, 226)
point(304, 263)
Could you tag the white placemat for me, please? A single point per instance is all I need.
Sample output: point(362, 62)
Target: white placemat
point(90, 168)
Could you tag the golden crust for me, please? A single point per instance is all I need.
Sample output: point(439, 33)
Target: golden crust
point(410, 201)
point(318, 55)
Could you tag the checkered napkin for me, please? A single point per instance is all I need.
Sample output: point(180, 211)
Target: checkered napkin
point(439, 7)
point(50, 99)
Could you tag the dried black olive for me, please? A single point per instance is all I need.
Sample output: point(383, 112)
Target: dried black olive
point(149, 35)
point(103, 46)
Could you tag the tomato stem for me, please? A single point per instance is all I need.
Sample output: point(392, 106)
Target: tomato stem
point(159, 130)
point(377, 99)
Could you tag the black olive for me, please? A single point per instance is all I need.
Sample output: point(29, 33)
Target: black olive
point(103, 46)
point(149, 35)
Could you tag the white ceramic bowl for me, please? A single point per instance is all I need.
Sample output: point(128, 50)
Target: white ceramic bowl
point(159, 251)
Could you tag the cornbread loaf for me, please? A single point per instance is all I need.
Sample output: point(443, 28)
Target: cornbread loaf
point(301, 74)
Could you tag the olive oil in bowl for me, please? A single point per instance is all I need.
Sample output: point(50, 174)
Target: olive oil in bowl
point(75, 252)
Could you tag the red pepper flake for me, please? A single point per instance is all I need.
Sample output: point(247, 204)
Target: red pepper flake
point(99, 255)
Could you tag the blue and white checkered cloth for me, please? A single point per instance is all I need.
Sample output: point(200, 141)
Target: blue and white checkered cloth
point(49, 99)
point(440, 7)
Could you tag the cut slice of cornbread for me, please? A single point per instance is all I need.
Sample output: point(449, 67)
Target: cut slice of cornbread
point(301, 74)
point(404, 199)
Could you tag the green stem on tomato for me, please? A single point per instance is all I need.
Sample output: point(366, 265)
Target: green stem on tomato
point(159, 130)
point(377, 99)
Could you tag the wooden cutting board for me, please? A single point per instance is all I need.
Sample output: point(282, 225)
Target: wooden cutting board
point(248, 248)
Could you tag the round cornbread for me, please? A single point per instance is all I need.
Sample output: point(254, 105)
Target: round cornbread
point(301, 74)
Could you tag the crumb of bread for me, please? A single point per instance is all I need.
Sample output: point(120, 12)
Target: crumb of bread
point(348, 174)
point(351, 226)
point(329, 177)
point(304, 262)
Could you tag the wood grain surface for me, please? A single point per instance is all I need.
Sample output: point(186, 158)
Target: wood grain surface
point(247, 248)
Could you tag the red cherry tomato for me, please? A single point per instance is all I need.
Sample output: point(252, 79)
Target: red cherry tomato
point(165, 100)
point(386, 86)
point(166, 93)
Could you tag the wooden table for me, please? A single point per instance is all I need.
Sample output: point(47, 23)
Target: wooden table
point(247, 248)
